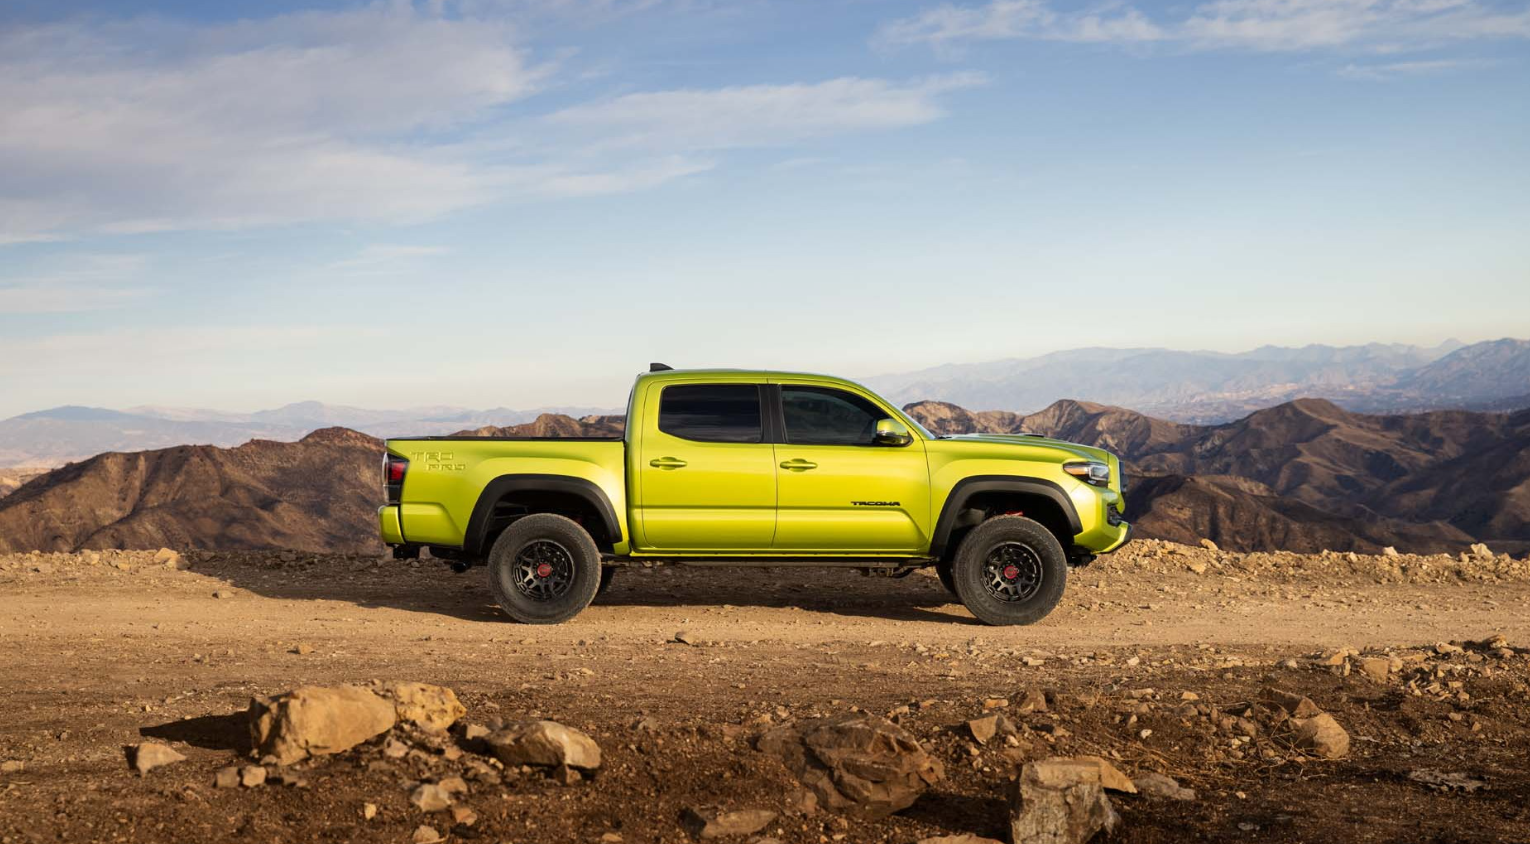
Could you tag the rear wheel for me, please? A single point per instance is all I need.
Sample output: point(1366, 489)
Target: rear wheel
point(1010, 570)
point(544, 569)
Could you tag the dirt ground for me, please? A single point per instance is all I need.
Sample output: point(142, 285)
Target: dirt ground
point(1147, 653)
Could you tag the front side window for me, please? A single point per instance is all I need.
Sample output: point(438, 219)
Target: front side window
point(712, 413)
point(825, 416)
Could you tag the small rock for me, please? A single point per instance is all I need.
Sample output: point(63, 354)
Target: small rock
point(453, 785)
point(168, 558)
point(855, 763)
point(1376, 668)
point(303, 649)
point(1209, 545)
point(425, 835)
point(1292, 704)
point(463, 816)
point(1389, 551)
point(317, 720)
point(611, 838)
point(712, 822)
point(984, 728)
point(1196, 566)
point(12, 766)
point(394, 749)
point(565, 775)
point(223, 593)
point(961, 838)
point(368, 811)
point(430, 797)
point(544, 743)
point(252, 775)
point(1321, 735)
point(684, 637)
point(431, 708)
point(1060, 801)
point(1162, 787)
point(152, 754)
point(226, 777)
point(1481, 552)
point(1034, 701)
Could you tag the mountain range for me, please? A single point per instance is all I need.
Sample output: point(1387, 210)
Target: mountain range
point(53, 437)
point(1179, 386)
point(1302, 476)
point(1213, 387)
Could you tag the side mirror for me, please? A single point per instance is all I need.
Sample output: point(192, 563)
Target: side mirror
point(892, 432)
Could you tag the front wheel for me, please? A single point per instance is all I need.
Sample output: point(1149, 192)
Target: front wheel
point(1009, 570)
point(544, 569)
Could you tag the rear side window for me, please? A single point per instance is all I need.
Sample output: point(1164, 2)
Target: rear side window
point(825, 416)
point(711, 413)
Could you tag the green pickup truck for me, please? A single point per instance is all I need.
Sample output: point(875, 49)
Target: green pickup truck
point(723, 467)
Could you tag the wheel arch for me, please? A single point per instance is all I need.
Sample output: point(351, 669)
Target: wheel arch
point(1039, 499)
point(541, 493)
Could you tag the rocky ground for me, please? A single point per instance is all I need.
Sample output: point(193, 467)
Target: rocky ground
point(1163, 659)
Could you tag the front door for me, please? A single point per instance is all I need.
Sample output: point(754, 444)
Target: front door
point(708, 474)
point(838, 492)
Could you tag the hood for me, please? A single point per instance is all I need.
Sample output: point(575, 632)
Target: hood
point(1087, 452)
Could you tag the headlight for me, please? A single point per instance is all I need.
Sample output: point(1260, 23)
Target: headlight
point(1090, 472)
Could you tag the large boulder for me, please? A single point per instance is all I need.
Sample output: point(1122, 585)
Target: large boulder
point(858, 764)
point(432, 708)
point(543, 743)
point(316, 720)
point(1060, 801)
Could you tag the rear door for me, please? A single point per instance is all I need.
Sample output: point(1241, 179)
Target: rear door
point(837, 491)
point(708, 470)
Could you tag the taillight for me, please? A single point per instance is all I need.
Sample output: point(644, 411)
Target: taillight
point(394, 469)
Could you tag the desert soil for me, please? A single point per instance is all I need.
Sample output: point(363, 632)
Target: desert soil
point(1147, 649)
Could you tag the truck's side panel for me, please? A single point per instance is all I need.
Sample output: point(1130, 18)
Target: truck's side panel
point(446, 479)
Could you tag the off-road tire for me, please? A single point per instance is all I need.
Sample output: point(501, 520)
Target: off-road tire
point(573, 569)
point(986, 555)
point(943, 571)
point(607, 574)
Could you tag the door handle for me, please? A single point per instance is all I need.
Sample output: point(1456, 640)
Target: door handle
point(799, 465)
point(667, 463)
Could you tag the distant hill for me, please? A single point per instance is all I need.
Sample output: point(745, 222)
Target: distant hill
point(53, 437)
point(1213, 387)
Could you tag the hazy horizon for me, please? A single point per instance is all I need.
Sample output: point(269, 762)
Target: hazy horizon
point(618, 403)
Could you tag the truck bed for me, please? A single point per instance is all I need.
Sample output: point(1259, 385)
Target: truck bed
point(449, 475)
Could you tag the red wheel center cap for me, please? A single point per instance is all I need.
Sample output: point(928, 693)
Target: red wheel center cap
point(544, 569)
point(1011, 572)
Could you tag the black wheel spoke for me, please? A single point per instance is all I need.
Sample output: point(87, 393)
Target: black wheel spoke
point(543, 570)
point(1012, 572)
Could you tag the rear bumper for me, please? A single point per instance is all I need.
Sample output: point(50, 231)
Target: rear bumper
point(389, 525)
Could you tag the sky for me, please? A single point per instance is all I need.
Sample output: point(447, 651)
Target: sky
point(521, 203)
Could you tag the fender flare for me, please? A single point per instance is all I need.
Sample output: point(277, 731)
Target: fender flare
point(478, 523)
point(966, 488)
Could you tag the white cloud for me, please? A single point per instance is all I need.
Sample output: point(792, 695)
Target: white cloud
point(391, 112)
point(1382, 71)
point(151, 125)
point(763, 115)
point(1262, 25)
point(948, 25)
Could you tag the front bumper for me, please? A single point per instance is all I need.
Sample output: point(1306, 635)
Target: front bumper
point(1126, 536)
point(389, 525)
